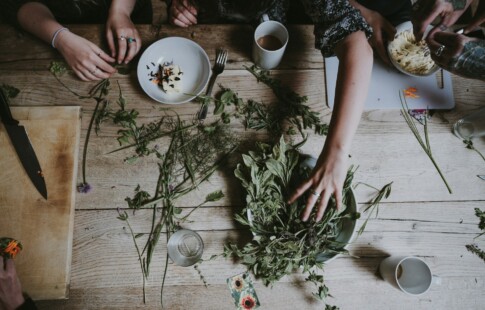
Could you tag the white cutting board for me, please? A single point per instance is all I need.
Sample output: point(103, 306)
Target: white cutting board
point(386, 82)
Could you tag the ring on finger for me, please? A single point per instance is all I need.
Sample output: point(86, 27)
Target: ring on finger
point(122, 38)
point(314, 193)
point(440, 50)
point(94, 71)
point(130, 40)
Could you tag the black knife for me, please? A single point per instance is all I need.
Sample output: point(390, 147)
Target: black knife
point(21, 143)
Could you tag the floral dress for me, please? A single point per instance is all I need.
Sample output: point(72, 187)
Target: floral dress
point(334, 20)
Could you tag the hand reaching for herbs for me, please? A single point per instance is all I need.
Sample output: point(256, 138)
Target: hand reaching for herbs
point(182, 13)
point(326, 180)
point(88, 61)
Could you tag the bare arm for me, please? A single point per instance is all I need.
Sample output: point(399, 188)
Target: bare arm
point(355, 66)
point(87, 60)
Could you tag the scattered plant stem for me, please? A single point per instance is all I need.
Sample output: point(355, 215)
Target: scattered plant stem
point(424, 144)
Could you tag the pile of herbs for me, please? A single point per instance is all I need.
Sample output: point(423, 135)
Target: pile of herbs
point(282, 241)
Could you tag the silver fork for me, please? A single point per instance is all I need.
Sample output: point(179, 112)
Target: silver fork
point(220, 63)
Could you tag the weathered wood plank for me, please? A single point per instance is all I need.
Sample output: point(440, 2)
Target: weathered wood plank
point(104, 255)
point(454, 293)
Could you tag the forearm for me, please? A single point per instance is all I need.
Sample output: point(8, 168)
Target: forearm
point(37, 19)
point(122, 7)
point(471, 62)
point(355, 66)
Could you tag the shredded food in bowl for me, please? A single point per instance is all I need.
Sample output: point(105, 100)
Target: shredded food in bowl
point(413, 57)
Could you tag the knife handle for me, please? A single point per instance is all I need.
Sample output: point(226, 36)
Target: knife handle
point(5, 113)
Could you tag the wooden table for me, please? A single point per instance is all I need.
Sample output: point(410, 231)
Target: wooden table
point(419, 218)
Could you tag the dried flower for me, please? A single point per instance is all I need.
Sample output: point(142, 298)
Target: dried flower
point(9, 248)
point(84, 188)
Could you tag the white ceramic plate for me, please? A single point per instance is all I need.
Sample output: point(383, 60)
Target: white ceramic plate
point(188, 55)
point(408, 26)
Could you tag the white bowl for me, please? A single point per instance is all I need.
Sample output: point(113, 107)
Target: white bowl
point(408, 26)
point(347, 231)
point(187, 54)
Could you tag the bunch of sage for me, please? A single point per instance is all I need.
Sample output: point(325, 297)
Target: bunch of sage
point(282, 242)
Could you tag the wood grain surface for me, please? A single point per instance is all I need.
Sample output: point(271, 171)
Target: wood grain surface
point(45, 227)
point(420, 217)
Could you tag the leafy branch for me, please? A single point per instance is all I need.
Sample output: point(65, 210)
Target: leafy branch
point(373, 204)
point(469, 145)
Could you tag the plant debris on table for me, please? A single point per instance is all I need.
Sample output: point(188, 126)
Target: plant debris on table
point(282, 242)
point(473, 248)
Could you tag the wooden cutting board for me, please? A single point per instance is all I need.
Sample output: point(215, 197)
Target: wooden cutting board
point(44, 227)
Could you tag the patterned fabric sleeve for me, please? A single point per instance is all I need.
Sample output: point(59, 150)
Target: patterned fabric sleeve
point(334, 20)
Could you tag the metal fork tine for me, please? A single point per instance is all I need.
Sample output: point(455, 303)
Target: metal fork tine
point(219, 64)
point(224, 58)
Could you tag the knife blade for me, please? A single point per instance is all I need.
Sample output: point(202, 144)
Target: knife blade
point(482, 177)
point(21, 143)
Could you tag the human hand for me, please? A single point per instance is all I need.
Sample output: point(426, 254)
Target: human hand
point(425, 11)
point(458, 54)
point(326, 179)
point(477, 20)
point(10, 290)
point(124, 41)
point(182, 13)
point(86, 59)
point(383, 30)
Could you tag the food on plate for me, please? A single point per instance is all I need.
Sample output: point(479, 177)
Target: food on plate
point(9, 248)
point(411, 56)
point(170, 78)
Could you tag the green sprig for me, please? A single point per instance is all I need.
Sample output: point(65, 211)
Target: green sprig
point(424, 144)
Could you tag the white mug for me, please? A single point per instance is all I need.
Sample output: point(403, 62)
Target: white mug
point(267, 52)
point(408, 273)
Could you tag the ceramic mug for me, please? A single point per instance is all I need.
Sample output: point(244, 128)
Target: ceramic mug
point(269, 43)
point(409, 274)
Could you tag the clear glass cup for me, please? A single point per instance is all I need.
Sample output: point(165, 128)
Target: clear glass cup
point(470, 126)
point(185, 247)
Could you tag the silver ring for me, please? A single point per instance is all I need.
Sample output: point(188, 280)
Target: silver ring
point(122, 38)
point(315, 193)
point(94, 71)
point(440, 50)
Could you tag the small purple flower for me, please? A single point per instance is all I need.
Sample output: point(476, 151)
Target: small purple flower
point(420, 115)
point(83, 188)
point(170, 188)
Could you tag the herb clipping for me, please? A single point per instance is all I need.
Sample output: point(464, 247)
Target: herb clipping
point(424, 144)
point(98, 92)
point(473, 248)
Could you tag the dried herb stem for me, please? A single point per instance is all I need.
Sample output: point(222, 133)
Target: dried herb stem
point(425, 145)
